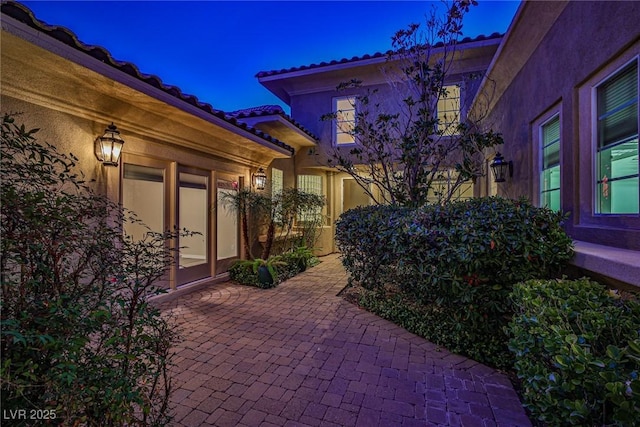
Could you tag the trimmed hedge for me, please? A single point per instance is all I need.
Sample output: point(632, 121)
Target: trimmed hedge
point(577, 349)
point(463, 258)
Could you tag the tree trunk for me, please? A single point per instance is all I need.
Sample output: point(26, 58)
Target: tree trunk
point(269, 242)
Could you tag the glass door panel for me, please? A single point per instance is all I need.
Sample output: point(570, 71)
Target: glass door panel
point(143, 193)
point(194, 215)
point(227, 240)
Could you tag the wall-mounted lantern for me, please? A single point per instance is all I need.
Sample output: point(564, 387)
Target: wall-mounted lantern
point(501, 167)
point(109, 146)
point(259, 179)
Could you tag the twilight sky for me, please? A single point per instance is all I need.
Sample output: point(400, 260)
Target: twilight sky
point(213, 49)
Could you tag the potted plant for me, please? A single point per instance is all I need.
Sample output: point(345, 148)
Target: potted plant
point(301, 257)
point(265, 269)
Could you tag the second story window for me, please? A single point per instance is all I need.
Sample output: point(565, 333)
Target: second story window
point(550, 174)
point(618, 180)
point(449, 110)
point(345, 120)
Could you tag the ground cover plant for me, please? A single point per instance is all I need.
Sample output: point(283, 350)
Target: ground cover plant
point(274, 270)
point(577, 351)
point(80, 343)
point(446, 272)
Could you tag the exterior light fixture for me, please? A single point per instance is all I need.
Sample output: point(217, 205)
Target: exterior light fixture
point(259, 179)
point(501, 167)
point(109, 146)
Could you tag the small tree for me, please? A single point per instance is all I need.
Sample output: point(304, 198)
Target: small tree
point(251, 207)
point(283, 211)
point(301, 212)
point(79, 338)
point(404, 153)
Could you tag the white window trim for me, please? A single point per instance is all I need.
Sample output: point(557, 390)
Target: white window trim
point(538, 144)
point(334, 125)
point(583, 171)
point(601, 78)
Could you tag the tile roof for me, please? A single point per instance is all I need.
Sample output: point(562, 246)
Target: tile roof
point(25, 15)
point(364, 57)
point(269, 110)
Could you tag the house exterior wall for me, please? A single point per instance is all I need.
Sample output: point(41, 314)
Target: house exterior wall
point(317, 97)
point(587, 42)
point(72, 97)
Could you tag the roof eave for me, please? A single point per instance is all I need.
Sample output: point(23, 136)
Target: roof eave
point(34, 30)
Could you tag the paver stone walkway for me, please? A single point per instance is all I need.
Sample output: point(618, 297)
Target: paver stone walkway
point(299, 355)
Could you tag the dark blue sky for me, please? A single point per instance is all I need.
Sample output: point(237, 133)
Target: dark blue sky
point(213, 49)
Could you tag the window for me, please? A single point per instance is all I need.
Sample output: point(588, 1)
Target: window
point(143, 193)
point(276, 181)
point(310, 184)
point(550, 173)
point(449, 110)
point(345, 120)
point(617, 177)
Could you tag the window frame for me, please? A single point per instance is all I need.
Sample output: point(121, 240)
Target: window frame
point(595, 140)
point(545, 119)
point(448, 131)
point(277, 181)
point(611, 229)
point(352, 99)
point(322, 211)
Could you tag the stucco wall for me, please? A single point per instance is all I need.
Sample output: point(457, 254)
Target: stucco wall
point(586, 38)
point(68, 133)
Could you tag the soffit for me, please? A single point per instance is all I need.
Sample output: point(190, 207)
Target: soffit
point(272, 120)
point(39, 76)
point(472, 55)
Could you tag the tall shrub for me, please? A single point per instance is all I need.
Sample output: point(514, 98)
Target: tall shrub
point(79, 339)
point(454, 265)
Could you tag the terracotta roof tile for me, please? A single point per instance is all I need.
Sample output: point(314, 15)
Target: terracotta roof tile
point(25, 15)
point(364, 57)
point(269, 110)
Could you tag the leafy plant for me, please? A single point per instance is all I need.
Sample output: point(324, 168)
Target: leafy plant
point(447, 327)
point(255, 265)
point(577, 350)
point(299, 217)
point(79, 336)
point(260, 213)
point(460, 259)
point(247, 204)
point(280, 268)
point(301, 257)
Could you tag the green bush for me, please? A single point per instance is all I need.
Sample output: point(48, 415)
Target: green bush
point(369, 238)
point(462, 258)
point(577, 350)
point(281, 267)
point(436, 324)
point(79, 340)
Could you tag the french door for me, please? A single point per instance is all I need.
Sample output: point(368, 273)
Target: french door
point(164, 194)
point(194, 214)
point(227, 236)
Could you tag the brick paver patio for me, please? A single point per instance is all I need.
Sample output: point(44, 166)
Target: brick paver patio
point(298, 355)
